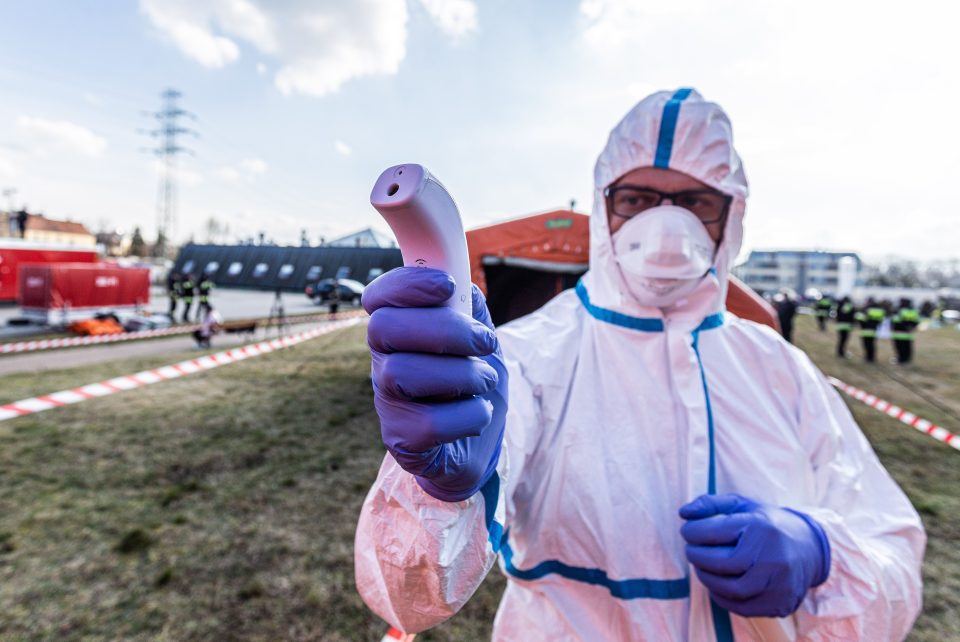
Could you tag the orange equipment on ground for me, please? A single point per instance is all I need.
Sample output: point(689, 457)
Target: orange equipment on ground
point(522, 263)
point(96, 327)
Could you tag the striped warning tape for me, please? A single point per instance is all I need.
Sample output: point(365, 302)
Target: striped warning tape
point(147, 377)
point(69, 342)
point(395, 635)
point(898, 413)
point(66, 342)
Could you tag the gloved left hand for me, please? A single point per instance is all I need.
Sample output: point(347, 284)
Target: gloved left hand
point(756, 559)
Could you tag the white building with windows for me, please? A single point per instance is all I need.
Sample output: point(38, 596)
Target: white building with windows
point(769, 271)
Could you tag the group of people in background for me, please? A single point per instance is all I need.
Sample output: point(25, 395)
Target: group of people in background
point(186, 288)
point(904, 320)
point(867, 320)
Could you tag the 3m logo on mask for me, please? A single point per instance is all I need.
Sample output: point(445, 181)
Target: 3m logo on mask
point(663, 253)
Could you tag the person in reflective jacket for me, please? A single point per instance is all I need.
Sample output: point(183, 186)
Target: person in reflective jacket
point(903, 324)
point(644, 465)
point(870, 319)
point(846, 315)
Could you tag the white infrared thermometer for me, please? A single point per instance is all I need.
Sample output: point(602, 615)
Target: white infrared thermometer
point(427, 225)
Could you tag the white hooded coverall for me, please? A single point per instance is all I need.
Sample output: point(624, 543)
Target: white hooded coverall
point(619, 414)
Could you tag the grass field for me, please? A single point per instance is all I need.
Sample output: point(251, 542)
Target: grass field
point(222, 506)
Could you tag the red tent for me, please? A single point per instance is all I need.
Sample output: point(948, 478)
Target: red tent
point(522, 263)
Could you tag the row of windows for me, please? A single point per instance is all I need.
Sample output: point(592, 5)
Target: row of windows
point(285, 272)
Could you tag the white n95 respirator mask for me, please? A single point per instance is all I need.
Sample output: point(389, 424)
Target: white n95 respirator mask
point(663, 253)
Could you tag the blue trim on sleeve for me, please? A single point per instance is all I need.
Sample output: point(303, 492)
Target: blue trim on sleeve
point(644, 324)
point(668, 127)
point(722, 626)
point(631, 589)
point(491, 495)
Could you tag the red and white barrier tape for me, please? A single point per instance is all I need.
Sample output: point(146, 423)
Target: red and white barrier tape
point(147, 377)
point(66, 342)
point(393, 635)
point(69, 342)
point(898, 413)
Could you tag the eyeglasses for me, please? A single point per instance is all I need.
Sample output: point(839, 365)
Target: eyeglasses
point(626, 201)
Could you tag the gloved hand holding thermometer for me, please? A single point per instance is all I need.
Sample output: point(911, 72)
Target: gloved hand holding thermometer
point(440, 384)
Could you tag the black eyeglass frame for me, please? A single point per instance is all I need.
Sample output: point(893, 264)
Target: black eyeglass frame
point(611, 190)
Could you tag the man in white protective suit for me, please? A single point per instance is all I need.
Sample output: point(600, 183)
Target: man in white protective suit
point(645, 465)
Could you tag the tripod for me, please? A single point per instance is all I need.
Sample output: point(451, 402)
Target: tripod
point(277, 316)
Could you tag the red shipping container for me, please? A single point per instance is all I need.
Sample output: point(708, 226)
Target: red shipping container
point(14, 252)
point(60, 292)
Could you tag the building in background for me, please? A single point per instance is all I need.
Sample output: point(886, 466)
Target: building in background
point(364, 238)
point(115, 243)
point(40, 229)
point(768, 271)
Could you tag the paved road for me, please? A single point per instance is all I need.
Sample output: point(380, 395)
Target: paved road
point(231, 304)
point(76, 357)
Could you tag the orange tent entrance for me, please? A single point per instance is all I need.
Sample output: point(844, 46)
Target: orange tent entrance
point(522, 263)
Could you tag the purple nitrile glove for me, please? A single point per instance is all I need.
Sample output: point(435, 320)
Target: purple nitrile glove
point(439, 381)
point(756, 559)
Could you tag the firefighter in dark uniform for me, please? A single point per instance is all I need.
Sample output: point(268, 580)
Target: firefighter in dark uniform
point(187, 289)
point(205, 287)
point(904, 322)
point(173, 291)
point(845, 319)
point(824, 305)
point(870, 319)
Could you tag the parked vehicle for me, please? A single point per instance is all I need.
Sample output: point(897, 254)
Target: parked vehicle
point(350, 291)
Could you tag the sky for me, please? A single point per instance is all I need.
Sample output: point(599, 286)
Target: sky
point(844, 112)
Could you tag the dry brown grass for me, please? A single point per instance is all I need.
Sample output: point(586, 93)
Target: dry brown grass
point(222, 506)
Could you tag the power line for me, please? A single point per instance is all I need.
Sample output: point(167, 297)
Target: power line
point(168, 149)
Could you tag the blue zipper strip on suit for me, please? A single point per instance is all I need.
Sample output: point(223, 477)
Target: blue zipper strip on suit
point(722, 626)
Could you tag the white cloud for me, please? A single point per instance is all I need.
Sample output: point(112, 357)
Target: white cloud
point(456, 18)
point(186, 177)
point(9, 168)
point(188, 28)
point(62, 135)
point(342, 148)
point(189, 177)
point(325, 48)
point(253, 165)
point(318, 44)
point(837, 118)
point(246, 169)
point(227, 174)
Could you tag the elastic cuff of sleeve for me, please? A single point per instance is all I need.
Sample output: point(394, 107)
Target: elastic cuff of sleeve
point(445, 495)
point(824, 544)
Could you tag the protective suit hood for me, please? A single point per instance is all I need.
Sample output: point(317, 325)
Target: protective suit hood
point(683, 132)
